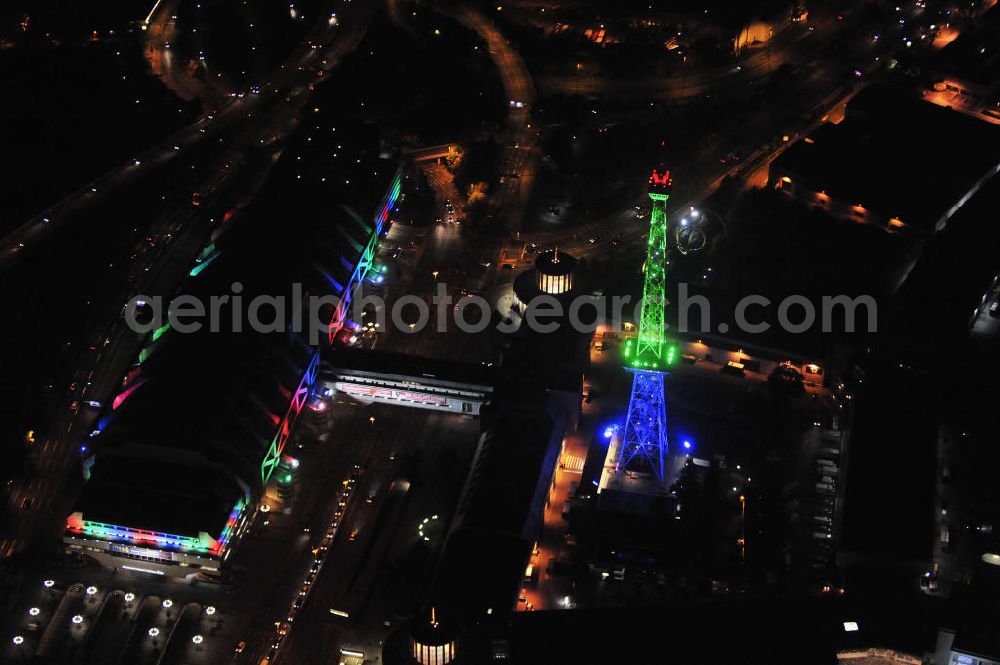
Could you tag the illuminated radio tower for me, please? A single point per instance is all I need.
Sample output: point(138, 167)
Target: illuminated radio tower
point(643, 444)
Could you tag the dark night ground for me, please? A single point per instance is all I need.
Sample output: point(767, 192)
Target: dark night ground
point(47, 302)
point(892, 451)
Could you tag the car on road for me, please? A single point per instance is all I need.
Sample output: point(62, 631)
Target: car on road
point(731, 158)
point(317, 404)
point(353, 537)
point(734, 368)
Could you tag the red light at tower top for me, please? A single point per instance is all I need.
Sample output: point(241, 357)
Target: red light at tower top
point(660, 181)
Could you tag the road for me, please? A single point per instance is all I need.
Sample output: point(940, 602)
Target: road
point(445, 249)
point(353, 579)
point(326, 42)
point(520, 151)
point(465, 260)
point(788, 46)
point(160, 33)
point(182, 231)
point(461, 259)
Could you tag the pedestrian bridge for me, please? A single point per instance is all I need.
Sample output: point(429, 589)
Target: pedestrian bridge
point(387, 378)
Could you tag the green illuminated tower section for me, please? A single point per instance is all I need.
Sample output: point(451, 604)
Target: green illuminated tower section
point(650, 348)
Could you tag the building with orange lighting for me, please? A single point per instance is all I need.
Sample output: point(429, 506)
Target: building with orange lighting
point(895, 162)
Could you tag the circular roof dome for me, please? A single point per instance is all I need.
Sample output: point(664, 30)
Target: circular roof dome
point(555, 263)
point(434, 628)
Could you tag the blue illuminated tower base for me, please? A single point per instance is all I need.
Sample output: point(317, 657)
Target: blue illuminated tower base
point(643, 447)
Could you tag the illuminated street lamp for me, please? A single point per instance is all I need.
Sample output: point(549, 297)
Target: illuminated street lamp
point(48, 584)
point(197, 639)
point(168, 603)
point(210, 610)
point(77, 619)
point(91, 590)
point(129, 597)
point(18, 640)
point(154, 631)
point(34, 611)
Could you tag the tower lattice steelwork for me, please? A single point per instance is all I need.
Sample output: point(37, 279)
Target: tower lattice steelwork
point(643, 444)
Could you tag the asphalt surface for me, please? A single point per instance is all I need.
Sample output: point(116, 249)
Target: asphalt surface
point(352, 579)
point(787, 46)
point(181, 230)
point(461, 258)
point(328, 41)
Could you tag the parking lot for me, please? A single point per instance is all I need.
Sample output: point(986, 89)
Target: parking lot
point(86, 622)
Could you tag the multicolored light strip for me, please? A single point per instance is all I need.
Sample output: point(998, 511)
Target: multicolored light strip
point(125, 394)
point(204, 544)
point(366, 262)
point(281, 437)
point(77, 525)
point(231, 526)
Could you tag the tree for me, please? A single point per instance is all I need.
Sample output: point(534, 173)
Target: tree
point(454, 159)
point(476, 193)
point(479, 163)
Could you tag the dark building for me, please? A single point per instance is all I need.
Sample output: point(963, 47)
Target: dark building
point(491, 537)
point(895, 161)
point(754, 630)
point(968, 635)
point(181, 456)
point(967, 74)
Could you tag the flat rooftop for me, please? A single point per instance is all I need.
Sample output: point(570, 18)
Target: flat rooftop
point(806, 631)
point(500, 509)
point(185, 437)
point(896, 155)
point(173, 498)
point(973, 55)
